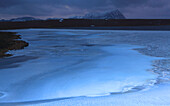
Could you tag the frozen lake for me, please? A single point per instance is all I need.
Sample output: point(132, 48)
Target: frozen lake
point(72, 63)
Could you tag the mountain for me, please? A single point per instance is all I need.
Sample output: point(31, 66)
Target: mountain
point(114, 14)
point(22, 19)
point(3, 20)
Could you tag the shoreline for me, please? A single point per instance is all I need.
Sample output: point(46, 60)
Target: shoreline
point(112, 24)
point(10, 41)
point(128, 28)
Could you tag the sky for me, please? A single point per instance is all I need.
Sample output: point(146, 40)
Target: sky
point(132, 9)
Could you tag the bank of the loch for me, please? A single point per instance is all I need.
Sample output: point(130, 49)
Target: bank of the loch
point(10, 41)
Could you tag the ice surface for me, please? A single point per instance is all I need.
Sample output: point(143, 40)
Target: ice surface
point(66, 67)
point(1, 94)
point(157, 96)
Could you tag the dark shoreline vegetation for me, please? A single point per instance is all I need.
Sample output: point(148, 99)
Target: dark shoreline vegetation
point(10, 41)
point(105, 24)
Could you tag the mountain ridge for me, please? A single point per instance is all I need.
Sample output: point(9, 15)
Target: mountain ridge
point(113, 14)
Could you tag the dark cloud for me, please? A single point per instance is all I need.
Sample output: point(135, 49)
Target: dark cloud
point(66, 8)
point(8, 3)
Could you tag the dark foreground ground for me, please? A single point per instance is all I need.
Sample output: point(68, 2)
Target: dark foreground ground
point(9, 41)
point(100, 24)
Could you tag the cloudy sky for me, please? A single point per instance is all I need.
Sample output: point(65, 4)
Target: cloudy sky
point(67, 8)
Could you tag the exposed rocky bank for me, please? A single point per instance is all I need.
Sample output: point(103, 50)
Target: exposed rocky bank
point(10, 41)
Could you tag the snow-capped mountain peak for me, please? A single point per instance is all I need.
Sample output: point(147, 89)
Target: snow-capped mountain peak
point(114, 14)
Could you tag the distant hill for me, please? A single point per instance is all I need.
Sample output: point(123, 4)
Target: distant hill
point(20, 19)
point(114, 14)
point(3, 20)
